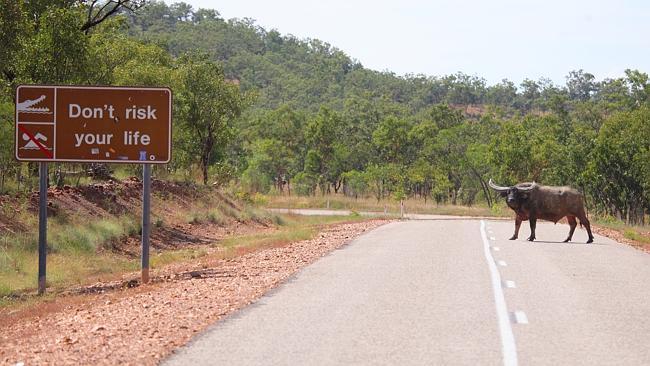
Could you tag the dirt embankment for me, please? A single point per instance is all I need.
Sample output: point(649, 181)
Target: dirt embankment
point(172, 204)
point(141, 326)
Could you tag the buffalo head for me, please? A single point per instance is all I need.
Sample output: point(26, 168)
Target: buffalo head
point(515, 195)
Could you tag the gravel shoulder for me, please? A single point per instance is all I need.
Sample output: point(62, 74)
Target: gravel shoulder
point(142, 326)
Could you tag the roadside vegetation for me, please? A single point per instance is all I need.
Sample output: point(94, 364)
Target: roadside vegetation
point(86, 248)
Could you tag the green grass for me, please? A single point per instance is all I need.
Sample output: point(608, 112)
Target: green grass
point(62, 269)
point(76, 253)
point(222, 214)
point(293, 228)
point(637, 236)
point(90, 237)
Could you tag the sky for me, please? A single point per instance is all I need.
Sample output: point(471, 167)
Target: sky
point(493, 39)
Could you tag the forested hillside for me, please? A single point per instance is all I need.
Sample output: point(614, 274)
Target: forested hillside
point(265, 111)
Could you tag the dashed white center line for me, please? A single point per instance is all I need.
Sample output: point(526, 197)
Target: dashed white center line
point(496, 249)
point(493, 238)
point(502, 263)
point(509, 284)
point(520, 317)
point(508, 347)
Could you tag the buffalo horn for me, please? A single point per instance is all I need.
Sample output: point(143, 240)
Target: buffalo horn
point(528, 188)
point(496, 187)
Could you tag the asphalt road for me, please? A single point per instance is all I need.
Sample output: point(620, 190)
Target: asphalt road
point(447, 292)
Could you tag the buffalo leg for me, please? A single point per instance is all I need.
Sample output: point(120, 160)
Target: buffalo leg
point(585, 222)
point(517, 226)
point(533, 224)
point(572, 223)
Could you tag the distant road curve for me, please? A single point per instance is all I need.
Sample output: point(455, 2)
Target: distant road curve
point(325, 212)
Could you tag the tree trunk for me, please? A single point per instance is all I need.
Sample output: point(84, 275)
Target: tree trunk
point(484, 187)
point(337, 185)
point(204, 169)
point(208, 145)
point(2, 181)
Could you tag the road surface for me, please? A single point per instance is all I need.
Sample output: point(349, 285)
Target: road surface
point(447, 292)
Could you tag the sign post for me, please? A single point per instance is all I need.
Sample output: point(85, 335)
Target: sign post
point(93, 125)
point(42, 226)
point(146, 220)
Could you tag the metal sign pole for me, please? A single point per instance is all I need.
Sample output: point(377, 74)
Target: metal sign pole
point(42, 226)
point(146, 220)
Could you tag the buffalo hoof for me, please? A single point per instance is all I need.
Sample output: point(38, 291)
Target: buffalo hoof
point(567, 240)
point(531, 239)
point(513, 238)
point(591, 240)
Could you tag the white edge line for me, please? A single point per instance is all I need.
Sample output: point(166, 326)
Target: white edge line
point(508, 347)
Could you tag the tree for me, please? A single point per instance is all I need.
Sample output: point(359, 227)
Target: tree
point(391, 139)
point(617, 172)
point(502, 94)
point(639, 87)
point(208, 107)
point(269, 158)
point(580, 85)
point(13, 27)
point(99, 10)
point(354, 183)
point(320, 136)
point(530, 94)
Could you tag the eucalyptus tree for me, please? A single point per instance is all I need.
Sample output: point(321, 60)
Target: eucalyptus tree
point(208, 107)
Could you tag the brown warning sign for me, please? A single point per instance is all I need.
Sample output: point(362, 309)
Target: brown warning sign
point(93, 124)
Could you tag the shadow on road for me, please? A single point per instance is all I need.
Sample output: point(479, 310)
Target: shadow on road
point(563, 243)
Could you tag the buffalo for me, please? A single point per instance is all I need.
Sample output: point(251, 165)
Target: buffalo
point(532, 201)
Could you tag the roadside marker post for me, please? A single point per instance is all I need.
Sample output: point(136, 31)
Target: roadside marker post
point(87, 124)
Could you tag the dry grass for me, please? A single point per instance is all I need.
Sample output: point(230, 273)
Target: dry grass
point(416, 206)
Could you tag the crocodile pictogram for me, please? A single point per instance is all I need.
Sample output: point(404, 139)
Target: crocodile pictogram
point(26, 106)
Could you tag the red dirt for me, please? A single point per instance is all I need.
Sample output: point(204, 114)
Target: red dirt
point(142, 326)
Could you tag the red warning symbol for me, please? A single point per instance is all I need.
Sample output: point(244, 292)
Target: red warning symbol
point(35, 141)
